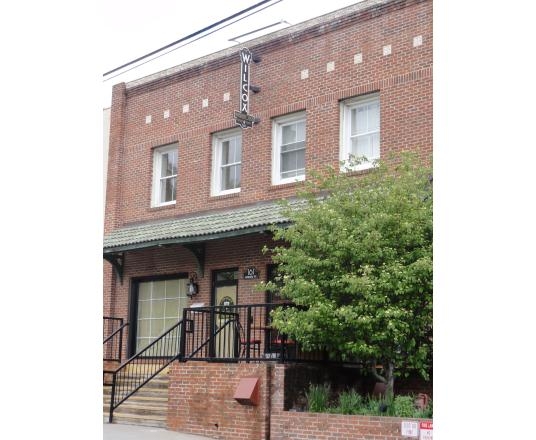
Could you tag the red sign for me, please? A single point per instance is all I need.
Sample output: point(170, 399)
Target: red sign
point(426, 431)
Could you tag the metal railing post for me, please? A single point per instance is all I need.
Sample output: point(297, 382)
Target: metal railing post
point(248, 332)
point(182, 340)
point(112, 398)
point(121, 339)
point(212, 347)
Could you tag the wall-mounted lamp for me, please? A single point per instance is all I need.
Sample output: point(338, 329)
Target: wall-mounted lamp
point(193, 287)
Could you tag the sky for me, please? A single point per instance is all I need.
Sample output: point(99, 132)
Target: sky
point(133, 28)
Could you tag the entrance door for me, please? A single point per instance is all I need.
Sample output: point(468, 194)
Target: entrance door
point(225, 295)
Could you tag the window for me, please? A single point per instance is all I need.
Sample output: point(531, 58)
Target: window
point(226, 162)
point(160, 306)
point(288, 161)
point(165, 175)
point(361, 130)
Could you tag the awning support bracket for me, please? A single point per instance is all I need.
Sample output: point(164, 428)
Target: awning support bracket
point(198, 250)
point(118, 263)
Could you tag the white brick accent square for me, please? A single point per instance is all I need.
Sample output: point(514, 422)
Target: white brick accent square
point(166, 114)
point(304, 74)
point(148, 119)
point(226, 96)
point(186, 108)
point(417, 41)
point(330, 67)
point(387, 50)
point(205, 102)
point(358, 58)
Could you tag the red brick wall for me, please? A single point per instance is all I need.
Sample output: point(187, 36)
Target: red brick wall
point(200, 400)
point(403, 79)
point(317, 426)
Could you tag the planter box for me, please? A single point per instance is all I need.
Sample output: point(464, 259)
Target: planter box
point(319, 426)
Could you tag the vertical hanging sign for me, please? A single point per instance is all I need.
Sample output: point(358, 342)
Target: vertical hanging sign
point(242, 117)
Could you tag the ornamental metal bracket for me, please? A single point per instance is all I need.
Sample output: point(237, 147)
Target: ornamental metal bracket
point(118, 263)
point(198, 250)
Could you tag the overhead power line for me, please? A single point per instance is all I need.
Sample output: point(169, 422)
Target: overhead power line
point(235, 39)
point(189, 36)
point(190, 42)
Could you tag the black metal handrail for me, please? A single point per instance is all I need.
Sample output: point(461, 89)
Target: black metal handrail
point(193, 350)
point(110, 345)
point(144, 365)
point(238, 333)
point(113, 338)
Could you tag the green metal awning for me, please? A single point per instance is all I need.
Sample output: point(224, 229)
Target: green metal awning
point(196, 229)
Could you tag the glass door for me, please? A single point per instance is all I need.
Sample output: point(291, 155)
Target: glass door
point(159, 306)
point(225, 295)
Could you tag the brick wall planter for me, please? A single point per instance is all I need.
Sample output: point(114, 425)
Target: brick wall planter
point(291, 425)
point(201, 402)
point(287, 425)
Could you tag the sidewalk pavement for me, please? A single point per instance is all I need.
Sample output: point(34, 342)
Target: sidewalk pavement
point(115, 431)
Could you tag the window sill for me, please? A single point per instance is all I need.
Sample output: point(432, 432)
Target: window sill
point(277, 186)
point(162, 207)
point(358, 171)
point(224, 196)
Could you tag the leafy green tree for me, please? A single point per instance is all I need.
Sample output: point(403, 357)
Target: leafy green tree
point(357, 260)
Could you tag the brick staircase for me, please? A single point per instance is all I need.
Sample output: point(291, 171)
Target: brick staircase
point(147, 407)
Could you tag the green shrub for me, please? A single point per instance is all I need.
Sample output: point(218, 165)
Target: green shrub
point(318, 397)
point(350, 402)
point(429, 410)
point(371, 407)
point(426, 413)
point(403, 406)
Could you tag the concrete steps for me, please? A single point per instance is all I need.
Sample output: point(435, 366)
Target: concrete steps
point(147, 407)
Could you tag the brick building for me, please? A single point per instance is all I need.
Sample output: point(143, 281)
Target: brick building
point(190, 193)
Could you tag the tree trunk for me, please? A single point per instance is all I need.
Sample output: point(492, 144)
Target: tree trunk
point(388, 378)
point(389, 381)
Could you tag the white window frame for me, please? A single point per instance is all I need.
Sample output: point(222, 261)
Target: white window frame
point(217, 141)
point(277, 130)
point(157, 168)
point(345, 130)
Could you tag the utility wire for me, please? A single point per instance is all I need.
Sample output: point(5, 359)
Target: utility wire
point(234, 39)
point(189, 42)
point(189, 36)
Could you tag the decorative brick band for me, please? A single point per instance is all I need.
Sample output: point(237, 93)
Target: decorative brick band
point(294, 107)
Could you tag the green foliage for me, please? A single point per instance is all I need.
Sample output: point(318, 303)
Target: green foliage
point(349, 402)
point(318, 397)
point(358, 257)
point(376, 407)
point(403, 406)
point(426, 413)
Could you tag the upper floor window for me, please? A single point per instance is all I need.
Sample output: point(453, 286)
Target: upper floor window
point(288, 161)
point(226, 162)
point(361, 130)
point(165, 175)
